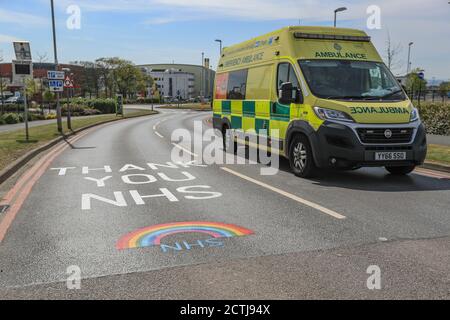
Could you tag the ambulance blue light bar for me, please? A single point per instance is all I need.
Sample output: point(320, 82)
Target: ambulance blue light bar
point(302, 35)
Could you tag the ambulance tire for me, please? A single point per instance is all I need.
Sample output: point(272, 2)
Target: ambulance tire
point(301, 157)
point(400, 171)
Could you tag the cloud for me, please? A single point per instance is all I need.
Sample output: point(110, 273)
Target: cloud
point(8, 39)
point(23, 19)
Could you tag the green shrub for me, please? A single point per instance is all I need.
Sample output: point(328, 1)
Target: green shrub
point(11, 118)
point(436, 117)
point(37, 116)
point(103, 105)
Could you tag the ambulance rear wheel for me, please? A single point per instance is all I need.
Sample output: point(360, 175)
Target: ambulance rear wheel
point(301, 157)
point(401, 171)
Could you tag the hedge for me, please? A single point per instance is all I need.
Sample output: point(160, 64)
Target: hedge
point(436, 117)
point(103, 105)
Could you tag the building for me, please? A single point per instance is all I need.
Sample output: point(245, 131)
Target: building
point(172, 83)
point(11, 83)
point(202, 75)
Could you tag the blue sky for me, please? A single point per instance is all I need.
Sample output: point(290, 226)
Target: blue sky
point(154, 31)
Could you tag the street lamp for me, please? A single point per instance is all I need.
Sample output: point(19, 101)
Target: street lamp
point(220, 42)
point(335, 13)
point(202, 77)
point(408, 67)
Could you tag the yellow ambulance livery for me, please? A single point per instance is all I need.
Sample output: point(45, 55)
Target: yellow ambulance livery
point(325, 95)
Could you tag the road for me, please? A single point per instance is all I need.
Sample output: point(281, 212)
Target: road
point(288, 238)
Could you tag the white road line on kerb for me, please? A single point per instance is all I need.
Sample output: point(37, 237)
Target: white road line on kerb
point(184, 149)
point(287, 194)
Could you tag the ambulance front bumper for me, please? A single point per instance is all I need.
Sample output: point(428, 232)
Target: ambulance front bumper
point(352, 145)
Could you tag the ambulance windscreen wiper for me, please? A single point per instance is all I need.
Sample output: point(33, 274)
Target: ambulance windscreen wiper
point(349, 98)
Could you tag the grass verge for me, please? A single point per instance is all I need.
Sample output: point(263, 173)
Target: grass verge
point(438, 154)
point(13, 144)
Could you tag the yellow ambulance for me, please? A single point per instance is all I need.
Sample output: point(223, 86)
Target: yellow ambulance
point(325, 95)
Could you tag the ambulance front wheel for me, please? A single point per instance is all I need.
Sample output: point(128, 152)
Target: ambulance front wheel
point(301, 157)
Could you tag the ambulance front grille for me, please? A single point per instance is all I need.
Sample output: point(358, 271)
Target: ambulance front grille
point(382, 136)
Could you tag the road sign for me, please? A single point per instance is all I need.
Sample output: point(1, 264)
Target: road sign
point(55, 75)
point(22, 50)
point(421, 75)
point(56, 85)
point(68, 83)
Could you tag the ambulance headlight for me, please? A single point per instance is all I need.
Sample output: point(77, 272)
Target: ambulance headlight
point(329, 114)
point(414, 115)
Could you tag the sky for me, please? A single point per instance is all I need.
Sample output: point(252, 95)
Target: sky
point(166, 31)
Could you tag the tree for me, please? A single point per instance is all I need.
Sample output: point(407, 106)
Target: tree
point(444, 89)
point(41, 58)
point(392, 53)
point(123, 76)
point(89, 79)
point(414, 84)
point(32, 88)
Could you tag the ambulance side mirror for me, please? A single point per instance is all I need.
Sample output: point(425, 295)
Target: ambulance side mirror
point(289, 94)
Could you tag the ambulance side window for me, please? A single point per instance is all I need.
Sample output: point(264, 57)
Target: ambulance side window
point(286, 73)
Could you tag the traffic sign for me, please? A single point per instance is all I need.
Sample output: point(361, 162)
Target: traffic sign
point(56, 85)
point(68, 83)
point(421, 75)
point(55, 75)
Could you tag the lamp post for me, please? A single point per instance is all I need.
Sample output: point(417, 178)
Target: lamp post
point(408, 67)
point(220, 42)
point(202, 77)
point(58, 106)
point(335, 13)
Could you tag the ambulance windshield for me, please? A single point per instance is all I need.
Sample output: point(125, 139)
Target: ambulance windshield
point(352, 80)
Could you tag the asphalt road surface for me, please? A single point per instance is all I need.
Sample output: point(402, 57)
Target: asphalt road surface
point(135, 226)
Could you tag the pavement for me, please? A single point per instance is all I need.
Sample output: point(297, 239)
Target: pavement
point(36, 123)
point(437, 139)
point(289, 238)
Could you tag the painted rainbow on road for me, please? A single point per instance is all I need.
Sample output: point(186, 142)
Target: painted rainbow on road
point(152, 236)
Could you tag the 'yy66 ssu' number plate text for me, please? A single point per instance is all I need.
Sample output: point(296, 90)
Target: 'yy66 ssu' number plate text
point(383, 156)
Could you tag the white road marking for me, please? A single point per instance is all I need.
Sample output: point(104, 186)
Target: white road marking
point(184, 149)
point(159, 135)
point(287, 194)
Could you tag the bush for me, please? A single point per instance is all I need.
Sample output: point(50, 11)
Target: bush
point(146, 100)
point(436, 117)
point(11, 118)
point(37, 116)
point(50, 116)
point(79, 110)
point(102, 105)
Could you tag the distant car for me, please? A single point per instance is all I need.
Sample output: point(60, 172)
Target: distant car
point(14, 100)
point(448, 94)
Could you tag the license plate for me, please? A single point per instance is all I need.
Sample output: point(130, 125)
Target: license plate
point(390, 156)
